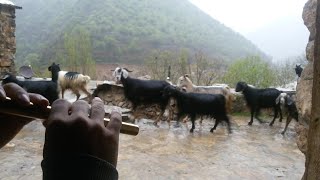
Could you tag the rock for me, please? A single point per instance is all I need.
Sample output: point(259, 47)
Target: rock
point(309, 17)
point(304, 87)
point(302, 139)
point(304, 93)
point(120, 104)
point(310, 51)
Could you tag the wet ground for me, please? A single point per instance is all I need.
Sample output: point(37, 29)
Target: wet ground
point(256, 152)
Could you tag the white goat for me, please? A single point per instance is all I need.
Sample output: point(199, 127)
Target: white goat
point(73, 81)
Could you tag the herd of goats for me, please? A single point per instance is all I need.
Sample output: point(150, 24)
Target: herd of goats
point(191, 101)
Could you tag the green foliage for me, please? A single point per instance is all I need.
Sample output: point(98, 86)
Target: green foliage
point(208, 71)
point(158, 64)
point(125, 31)
point(252, 70)
point(78, 52)
point(284, 70)
point(205, 70)
point(284, 73)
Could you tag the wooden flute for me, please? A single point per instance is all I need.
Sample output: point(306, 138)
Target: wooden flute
point(9, 107)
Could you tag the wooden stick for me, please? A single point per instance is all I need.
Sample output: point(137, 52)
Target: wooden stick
point(9, 107)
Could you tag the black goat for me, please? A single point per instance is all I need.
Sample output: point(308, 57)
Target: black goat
point(289, 105)
point(48, 89)
point(193, 104)
point(142, 92)
point(298, 70)
point(260, 98)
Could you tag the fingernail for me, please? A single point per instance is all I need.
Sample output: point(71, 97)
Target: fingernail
point(24, 99)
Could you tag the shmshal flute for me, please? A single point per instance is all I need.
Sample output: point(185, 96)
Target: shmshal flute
point(9, 107)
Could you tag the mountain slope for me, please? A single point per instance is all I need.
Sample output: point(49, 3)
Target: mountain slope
point(125, 31)
point(285, 38)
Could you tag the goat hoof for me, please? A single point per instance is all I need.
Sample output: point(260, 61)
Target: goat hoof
point(211, 130)
point(156, 124)
point(282, 132)
point(191, 130)
point(271, 124)
point(250, 123)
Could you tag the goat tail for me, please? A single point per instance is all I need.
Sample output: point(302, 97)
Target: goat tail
point(85, 79)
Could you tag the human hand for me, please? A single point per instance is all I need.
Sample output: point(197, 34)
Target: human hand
point(69, 131)
point(11, 125)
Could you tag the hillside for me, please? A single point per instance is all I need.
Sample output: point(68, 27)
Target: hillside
point(125, 31)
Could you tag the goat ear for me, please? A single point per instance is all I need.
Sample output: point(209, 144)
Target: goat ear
point(127, 70)
point(6, 76)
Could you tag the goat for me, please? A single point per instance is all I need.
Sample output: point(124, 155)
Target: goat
point(193, 104)
point(260, 98)
point(73, 81)
point(289, 105)
point(140, 92)
point(298, 70)
point(185, 82)
point(48, 89)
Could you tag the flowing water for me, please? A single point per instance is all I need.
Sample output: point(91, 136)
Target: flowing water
point(250, 152)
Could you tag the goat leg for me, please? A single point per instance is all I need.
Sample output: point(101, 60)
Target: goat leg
point(275, 116)
point(251, 121)
point(193, 117)
point(86, 92)
point(215, 125)
point(257, 116)
point(289, 118)
point(201, 119)
point(280, 112)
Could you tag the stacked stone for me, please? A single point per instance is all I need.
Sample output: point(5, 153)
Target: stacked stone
point(7, 38)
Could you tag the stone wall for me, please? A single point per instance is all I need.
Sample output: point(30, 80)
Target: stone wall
point(7, 38)
point(113, 95)
point(304, 87)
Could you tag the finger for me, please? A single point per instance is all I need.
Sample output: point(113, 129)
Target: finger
point(2, 94)
point(17, 93)
point(115, 122)
point(39, 100)
point(59, 111)
point(97, 110)
point(80, 107)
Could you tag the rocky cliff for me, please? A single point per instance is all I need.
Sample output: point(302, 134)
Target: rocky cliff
point(304, 87)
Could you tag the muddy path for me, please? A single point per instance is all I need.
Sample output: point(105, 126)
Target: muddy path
point(256, 152)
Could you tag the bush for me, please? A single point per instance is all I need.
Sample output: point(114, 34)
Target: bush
point(252, 70)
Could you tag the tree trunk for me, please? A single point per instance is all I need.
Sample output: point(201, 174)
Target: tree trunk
point(312, 170)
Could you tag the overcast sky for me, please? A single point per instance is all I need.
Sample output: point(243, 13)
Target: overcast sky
point(245, 16)
point(275, 26)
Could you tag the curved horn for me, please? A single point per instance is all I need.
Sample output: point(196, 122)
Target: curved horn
point(127, 70)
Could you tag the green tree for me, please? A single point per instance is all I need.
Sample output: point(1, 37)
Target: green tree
point(252, 70)
point(78, 56)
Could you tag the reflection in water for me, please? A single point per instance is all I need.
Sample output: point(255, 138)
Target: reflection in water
point(256, 152)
